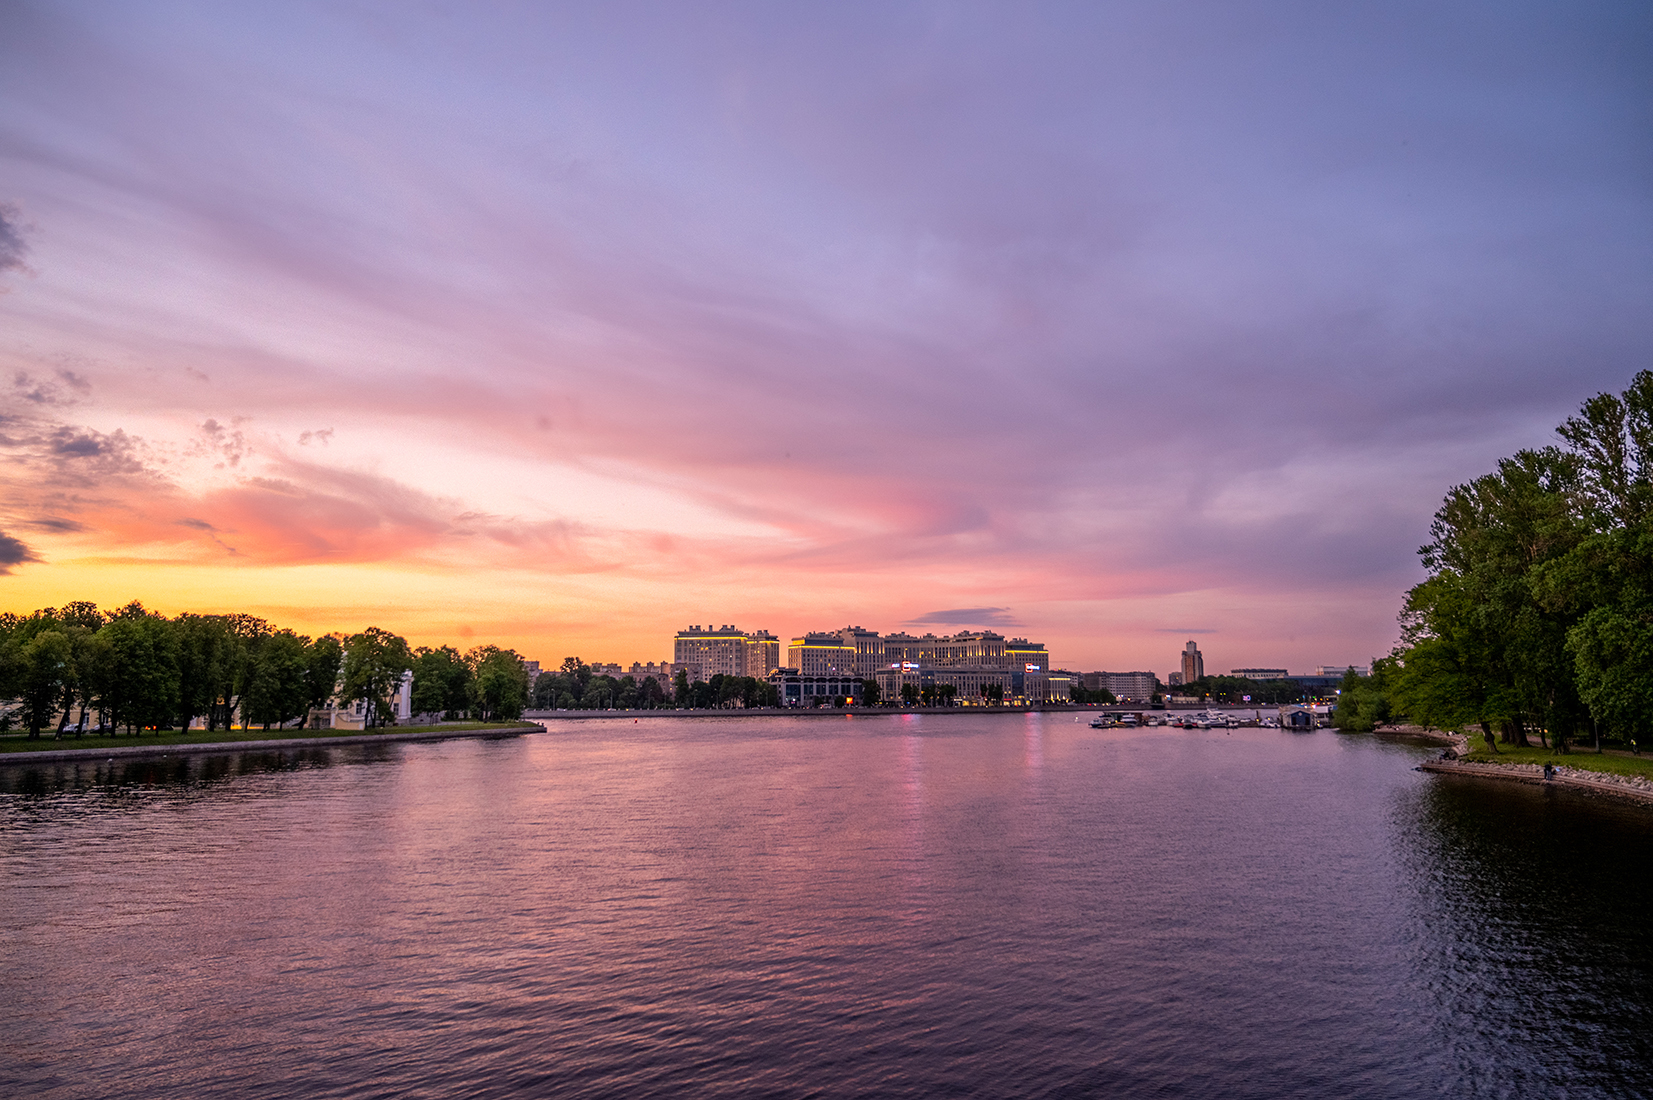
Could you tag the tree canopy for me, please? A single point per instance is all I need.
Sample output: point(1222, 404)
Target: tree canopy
point(1536, 616)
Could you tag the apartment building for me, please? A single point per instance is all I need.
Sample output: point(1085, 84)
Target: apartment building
point(1193, 663)
point(1133, 687)
point(728, 651)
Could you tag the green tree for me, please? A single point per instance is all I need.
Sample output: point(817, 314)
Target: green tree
point(1363, 702)
point(374, 661)
point(143, 672)
point(205, 669)
point(48, 674)
point(870, 693)
point(501, 683)
point(278, 689)
point(323, 660)
point(442, 682)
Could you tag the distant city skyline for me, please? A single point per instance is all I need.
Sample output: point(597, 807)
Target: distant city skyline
point(554, 326)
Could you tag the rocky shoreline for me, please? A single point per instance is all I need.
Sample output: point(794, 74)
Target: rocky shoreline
point(1631, 788)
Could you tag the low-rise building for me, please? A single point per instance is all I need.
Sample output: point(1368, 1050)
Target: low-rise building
point(970, 684)
point(1132, 687)
point(799, 689)
point(1259, 673)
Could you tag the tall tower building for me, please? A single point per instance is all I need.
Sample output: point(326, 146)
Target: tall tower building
point(1193, 663)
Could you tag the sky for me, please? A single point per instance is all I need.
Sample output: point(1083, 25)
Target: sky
point(565, 327)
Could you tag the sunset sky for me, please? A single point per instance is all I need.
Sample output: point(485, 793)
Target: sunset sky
point(567, 326)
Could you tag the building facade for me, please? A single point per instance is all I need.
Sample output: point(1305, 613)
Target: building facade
point(1259, 673)
point(728, 651)
point(798, 689)
point(1127, 687)
point(1193, 663)
point(824, 653)
point(969, 683)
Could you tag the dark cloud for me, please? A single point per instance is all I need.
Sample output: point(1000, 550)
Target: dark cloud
point(13, 248)
point(87, 452)
point(967, 616)
point(53, 523)
point(13, 552)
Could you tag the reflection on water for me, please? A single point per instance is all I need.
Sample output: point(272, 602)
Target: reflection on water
point(1537, 905)
point(905, 906)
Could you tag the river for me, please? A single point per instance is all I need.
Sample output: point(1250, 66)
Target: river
point(901, 906)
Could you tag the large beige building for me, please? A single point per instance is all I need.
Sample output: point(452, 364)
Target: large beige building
point(728, 651)
point(969, 661)
point(823, 653)
point(1127, 687)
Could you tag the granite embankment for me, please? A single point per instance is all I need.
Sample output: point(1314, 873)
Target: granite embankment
point(1633, 788)
point(12, 759)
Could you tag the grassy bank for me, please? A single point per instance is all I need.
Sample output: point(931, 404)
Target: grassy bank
point(1613, 762)
point(20, 743)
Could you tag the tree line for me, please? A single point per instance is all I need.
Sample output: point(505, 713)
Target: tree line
point(1235, 689)
point(77, 669)
point(1535, 619)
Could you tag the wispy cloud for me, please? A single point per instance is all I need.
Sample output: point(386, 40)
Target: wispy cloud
point(967, 616)
point(13, 248)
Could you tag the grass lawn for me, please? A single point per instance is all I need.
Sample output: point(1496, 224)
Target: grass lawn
point(18, 742)
point(1615, 761)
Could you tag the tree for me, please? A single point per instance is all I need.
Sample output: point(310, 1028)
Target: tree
point(1538, 609)
point(47, 675)
point(323, 659)
point(870, 693)
point(205, 675)
point(278, 689)
point(909, 694)
point(143, 670)
point(680, 688)
point(1491, 541)
point(501, 683)
point(442, 682)
point(374, 661)
point(1363, 701)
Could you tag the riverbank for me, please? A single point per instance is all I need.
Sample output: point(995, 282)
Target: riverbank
point(254, 741)
point(1628, 786)
point(785, 712)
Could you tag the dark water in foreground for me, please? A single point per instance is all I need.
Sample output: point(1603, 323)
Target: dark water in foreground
point(1009, 906)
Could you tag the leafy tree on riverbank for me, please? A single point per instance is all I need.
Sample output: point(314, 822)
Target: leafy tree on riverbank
point(500, 683)
point(441, 682)
point(1537, 613)
point(374, 661)
point(278, 689)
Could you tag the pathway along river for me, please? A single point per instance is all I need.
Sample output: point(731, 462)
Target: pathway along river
point(995, 906)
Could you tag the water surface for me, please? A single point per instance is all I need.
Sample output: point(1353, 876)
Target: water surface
point(996, 906)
